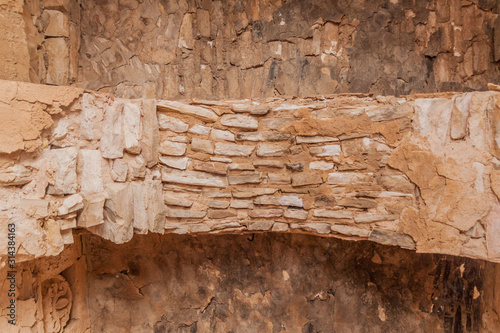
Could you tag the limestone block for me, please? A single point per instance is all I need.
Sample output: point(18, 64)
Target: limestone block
point(196, 111)
point(278, 178)
point(174, 199)
point(328, 150)
point(90, 118)
point(193, 178)
point(62, 167)
point(298, 214)
point(264, 136)
point(58, 61)
point(112, 136)
point(150, 132)
point(172, 148)
point(315, 139)
point(272, 150)
point(200, 129)
point(260, 226)
point(221, 214)
point(321, 165)
point(374, 217)
point(37, 208)
point(340, 214)
point(185, 214)
point(172, 124)
point(265, 213)
point(269, 164)
point(211, 167)
point(218, 204)
point(255, 109)
point(390, 112)
point(217, 134)
point(119, 170)
point(90, 172)
point(244, 179)
point(232, 149)
point(118, 214)
point(201, 145)
point(132, 128)
point(240, 121)
point(149, 207)
point(459, 116)
point(241, 166)
point(180, 163)
point(71, 204)
point(58, 24)
point(241, 204)
point(349, 178)
point(363, 203)
point(253, 192)
point(350, 230)
point(15, 175)
point(93, 210)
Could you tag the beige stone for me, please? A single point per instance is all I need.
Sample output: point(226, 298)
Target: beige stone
point(240, 121)
point(232, 149)
point(196, 111)
point(201, 145)
point(193, 178)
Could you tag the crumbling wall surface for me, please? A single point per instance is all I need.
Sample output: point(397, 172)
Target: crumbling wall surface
point(419, 173)
point(238, 49)
point(40, 41)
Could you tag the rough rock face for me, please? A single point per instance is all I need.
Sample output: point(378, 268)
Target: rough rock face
point(173, 49)
point(419, 173)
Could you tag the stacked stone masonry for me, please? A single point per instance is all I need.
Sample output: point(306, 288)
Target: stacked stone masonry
point(420, 172)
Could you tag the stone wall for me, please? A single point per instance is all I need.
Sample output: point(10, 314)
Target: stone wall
point(260, 48)
point(416, 172)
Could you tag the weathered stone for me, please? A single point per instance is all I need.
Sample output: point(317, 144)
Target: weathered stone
point(70, 204)
point(350, 230)
point(196, 111)
point(62, 165)
point(240, 121)
point(15, 175)
point(244, 179)
point(220, 159)
point(459, 116)
point(201, 145)
point(217, 204)
point(90, 118)
point(217, 194)
point(232, 149)
point(112, 136)
point(340, 214)
point(265, 213)
point(192, 178)
point(221, 214)
point(392, 238)
point(306, 178)
point(348, 178)
point(390, 112)
point(37, 208)
point(315, 139)
point(269, 164)
point(172, 124)
point(89, 171)
point(58, 61)
point(242, 204)
point(180, 163)
point(93, 210)
point(256, 109)
point(118, 224)
point(217, 134)
point(329, 150)
point(358, 203)
point(58, 24)
point(260, 226)
point(318, 228)
point(249, 193)
point(271, 150)
point(298, 214)
point(263, 136)
point(295, 166)
point(355, 146)
point(278, 178)
point(150, 132)
point(291, 200)
point(211, 167)
point(374, 217)
point(172, 199)
point(185, 214)
point(273, 124)
point(173, 148)
point(200, 129)
point(321, 165)
point(241, 166)
point(280, 227)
